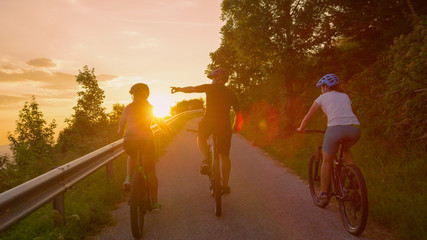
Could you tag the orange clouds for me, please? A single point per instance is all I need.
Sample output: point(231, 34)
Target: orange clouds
point(51, 80)
point(6, 100)
point(42, 62)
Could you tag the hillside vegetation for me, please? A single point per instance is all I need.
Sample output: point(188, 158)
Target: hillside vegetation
point(277, 50)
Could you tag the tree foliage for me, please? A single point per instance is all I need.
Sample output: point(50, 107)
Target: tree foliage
point(89, 110)
point(276, 50)
point(407, 83)
point(115, 115)
point(267, 46)
point(89, 116)
point(186, 105)
point(32, 144)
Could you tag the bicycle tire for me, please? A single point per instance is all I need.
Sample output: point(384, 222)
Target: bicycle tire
point(314, 170)
point(217, 186)
point(137, 204)
point(353, 204)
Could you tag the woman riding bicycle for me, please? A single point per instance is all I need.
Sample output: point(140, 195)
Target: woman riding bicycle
point(139, 138)
point(343, 127)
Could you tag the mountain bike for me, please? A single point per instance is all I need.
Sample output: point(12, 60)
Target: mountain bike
point(139, 200)
point(347, 185)
point(215, 173)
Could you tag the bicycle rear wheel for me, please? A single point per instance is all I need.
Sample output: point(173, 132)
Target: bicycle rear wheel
point(314, 168)
point(354, 202)
point(137, 204)
point(217, 186)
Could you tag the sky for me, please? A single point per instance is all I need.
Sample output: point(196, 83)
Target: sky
point(44, 44)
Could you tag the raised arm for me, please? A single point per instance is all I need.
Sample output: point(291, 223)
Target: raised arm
point(183, 89)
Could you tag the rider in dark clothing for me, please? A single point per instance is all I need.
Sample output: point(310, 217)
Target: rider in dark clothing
point(219, 101)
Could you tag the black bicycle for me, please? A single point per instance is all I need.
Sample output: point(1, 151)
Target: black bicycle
point(139, 201)
point(215, 173)
point(215, 176)
point(347, 185)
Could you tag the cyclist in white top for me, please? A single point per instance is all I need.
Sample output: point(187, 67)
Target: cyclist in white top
point(343, 126)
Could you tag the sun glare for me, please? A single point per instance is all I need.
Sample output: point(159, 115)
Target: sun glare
point(161, 110)
point(161, 106)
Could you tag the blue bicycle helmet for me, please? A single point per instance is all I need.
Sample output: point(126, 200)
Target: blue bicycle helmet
point(219, 72)
point(329, 79)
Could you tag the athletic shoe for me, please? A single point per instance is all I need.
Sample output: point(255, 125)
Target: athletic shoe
point(225, 190)
point(323, 198)
point(155, 207)
point(126, 185)
point(205, 167)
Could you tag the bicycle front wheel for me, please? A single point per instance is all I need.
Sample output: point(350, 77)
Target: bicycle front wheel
point(217, 186)
point(314, 168)
point(137, 204)
point(353, 203)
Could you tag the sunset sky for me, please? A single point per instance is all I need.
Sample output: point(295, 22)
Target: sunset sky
point(44, 43)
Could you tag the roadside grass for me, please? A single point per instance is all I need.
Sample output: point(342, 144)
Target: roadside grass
point(395, 178)
point(396, 181)
point(88, 204)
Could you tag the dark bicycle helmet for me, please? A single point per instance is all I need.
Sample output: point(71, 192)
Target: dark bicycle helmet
point(219, 72)
point(329, 79)
point(140, 89)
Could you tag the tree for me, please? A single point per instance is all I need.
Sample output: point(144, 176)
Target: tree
point(115, 115)
point(186, 105)
point(267, 45)
point(34, 138)
point(88, 108)
point(407, 85)
point(8, 173)
point(89, 116)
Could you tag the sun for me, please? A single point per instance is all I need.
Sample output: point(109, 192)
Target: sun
point(161, 110)
point(161, 106)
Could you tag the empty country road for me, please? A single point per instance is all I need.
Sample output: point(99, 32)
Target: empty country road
point(267, 201)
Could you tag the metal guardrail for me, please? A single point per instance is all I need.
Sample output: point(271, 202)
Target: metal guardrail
point(22, 200)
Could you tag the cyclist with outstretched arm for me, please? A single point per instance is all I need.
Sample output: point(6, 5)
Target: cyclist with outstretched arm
point(219, 101)
point(343, 126)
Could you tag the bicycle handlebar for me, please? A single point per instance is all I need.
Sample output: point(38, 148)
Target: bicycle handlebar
point(314, 131)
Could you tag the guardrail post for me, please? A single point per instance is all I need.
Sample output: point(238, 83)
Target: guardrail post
point(109, 168)
point(59, 206)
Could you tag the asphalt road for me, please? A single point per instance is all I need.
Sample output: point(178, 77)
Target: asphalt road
point(267, 201)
